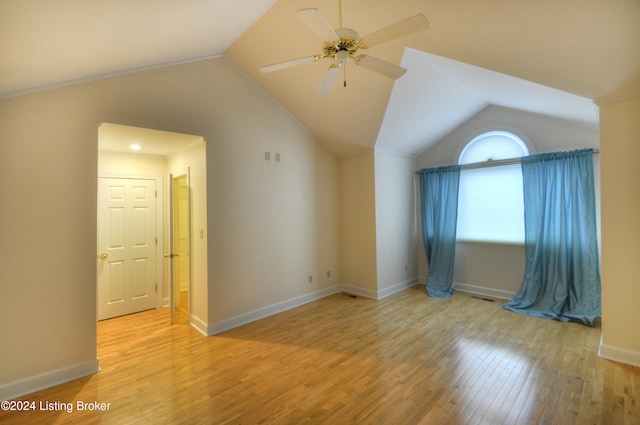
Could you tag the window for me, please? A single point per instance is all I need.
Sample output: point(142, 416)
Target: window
point(490, 200)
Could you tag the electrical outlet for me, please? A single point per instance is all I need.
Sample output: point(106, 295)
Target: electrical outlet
point(310, 279)
point(277, 156)
point(329, 273)
point(267, 156)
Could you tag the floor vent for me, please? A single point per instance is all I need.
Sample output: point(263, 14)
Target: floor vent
point(475, 297)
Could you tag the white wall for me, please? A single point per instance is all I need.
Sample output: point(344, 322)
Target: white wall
point(263, 218)
point(396, 231)
point(497, 269)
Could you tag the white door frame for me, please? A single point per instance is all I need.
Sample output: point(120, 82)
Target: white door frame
point(159, 228)
point(172, 175)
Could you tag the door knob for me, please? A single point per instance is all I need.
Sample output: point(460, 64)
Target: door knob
point(171, 255)
point(103, 256)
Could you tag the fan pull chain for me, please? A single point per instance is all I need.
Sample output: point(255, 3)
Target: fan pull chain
point(340, 12)
point(345, 75)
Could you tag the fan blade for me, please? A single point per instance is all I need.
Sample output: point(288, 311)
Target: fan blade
point(407, 26)
point(381, 67)
point(288, 64)
point(328, 80)
point(318, 24)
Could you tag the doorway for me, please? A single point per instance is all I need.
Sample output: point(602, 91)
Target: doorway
point(157, 153)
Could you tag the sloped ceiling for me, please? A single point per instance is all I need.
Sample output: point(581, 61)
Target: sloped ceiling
point(47, 43)
point(547, 56)
point(585, 49)
point(438, 94)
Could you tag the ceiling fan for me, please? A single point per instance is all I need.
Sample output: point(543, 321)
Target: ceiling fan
point(343, 44)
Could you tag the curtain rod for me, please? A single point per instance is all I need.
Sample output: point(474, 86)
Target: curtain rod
point(498, 162)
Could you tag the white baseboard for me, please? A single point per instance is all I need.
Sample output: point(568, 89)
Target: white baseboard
point(49, 379)
point(477, 290)
point(398, 287)
point(361, 292)
point(252, 316)
point(243, 319)
point(481, 290)
point(618, 354)
point(198, 324)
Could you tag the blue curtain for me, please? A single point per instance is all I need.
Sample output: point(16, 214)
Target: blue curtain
point(562, 273)
point(439, 193)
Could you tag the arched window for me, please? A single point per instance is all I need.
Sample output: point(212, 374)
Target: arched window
point(490, 200)
point(491, 146)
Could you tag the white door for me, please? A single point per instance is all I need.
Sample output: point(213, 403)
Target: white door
point(126, 246)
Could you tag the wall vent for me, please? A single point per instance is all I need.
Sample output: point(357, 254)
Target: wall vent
point(475, 297)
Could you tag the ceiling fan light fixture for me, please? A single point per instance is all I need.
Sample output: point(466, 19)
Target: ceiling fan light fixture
point(342, 57)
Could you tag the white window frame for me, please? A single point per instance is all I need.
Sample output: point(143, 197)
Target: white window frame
point(492, 216)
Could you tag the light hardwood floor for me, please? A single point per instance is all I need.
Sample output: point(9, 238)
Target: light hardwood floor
point(407, 359)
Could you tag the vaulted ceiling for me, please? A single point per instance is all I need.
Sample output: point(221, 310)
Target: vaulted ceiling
point(548, 57)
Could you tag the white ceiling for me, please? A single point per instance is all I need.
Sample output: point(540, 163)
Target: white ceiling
point(548, 57)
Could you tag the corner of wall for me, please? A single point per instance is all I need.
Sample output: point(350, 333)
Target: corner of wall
point(618, 354)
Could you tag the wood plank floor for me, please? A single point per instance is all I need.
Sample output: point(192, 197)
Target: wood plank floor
point(407, 359)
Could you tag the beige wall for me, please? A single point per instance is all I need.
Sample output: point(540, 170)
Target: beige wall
point(327, 239)
point(358, 223)
point(263, 218)
point(395, 221)
point(48, 170)
point(498, 267)
point(271, 224)
point(620, 173)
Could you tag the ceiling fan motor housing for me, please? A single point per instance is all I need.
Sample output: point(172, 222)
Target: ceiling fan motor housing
point(340, 50)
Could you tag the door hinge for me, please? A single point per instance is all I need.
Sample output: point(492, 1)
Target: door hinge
point(156, 241)
point(156, 287)
point(156, 193)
